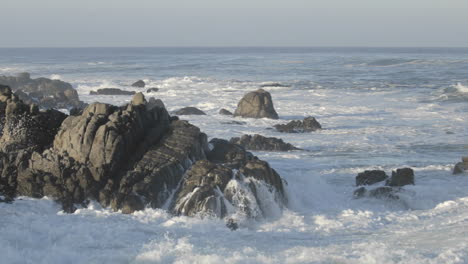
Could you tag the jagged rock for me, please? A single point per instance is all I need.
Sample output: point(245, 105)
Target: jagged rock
point(231, 224)
point(153, 102)
point(111, 91)
point(258, 142)
point(370, 177)
point(229, 154)
point(138, 99)
point(152, 90)
point(461, 167)
point(309, 124)
point(139, 84)
point(383, 192)
point(44, 92)
point(257, 104)
point(189, 111)
point(401, 177)
point(224, 112)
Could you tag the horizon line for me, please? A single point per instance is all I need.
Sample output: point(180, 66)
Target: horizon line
point(220, 47)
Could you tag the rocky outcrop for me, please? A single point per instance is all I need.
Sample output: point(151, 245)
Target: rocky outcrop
point(189, 111)
point(461, 167)
point(257, 104)
point(111, 91)
point(223, 111)
point(259, 142)
point(129, 158)
point(399, 178)
point(309, 124)
point(152, 90)
point(370, 177)
point(139, 84)
point(45, 93)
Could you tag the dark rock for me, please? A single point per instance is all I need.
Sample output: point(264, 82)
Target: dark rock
point(274, 84)
point(234, 123)
point(139, 84)
point(384, 192)
point(258, 142)
point(44, 92)
point(152, 90)
point(461, 167)
point(401, 177)
point(224, 112)
point(111, 91)
point(370, 177)
point(360, 192)
point(189, 111)
point(229, 154)
point(257, 104)
point(309, 124)
point(153, 102)
point(231, 224)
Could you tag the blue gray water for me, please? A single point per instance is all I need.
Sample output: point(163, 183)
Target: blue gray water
point(381, 108)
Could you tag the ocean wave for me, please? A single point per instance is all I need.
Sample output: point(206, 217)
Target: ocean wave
point(455, 93)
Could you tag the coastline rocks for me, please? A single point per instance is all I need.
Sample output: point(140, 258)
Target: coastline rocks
point(258, 142)
point(370, 177)
point(139, 84)
point(461, 167)
point(189, 111)
point(399, 178)
point(129, 158)
point(309, 124)
point(152, 90)
point(46, 93)
point(111, 91)
point(257, 104)
point(223, 111)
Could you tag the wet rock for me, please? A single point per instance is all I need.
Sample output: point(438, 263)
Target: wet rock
point(139, 84)
point(309, 124)
point(383, 192)
point(370, 177)
point(231, 224)
point(258, 142)
point(257, 104)
point(111, 91)
point(401, 177)
point(153, 102)
point(229, 154)
point(234, 123)
point(152, 90)
point(189, 111)
point(224, 112)
point(461, 167)
point(46, 93)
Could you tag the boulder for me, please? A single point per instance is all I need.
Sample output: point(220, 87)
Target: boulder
point(111, 91)
point(461, 167)
point(401, 177)
point(309, 124)
point(46, 93)
point(189, 111)
point(257, 104)
point(258, 142)
point(139, 84)
point(223, 111)
point(229, 154)
point(152, 90)
point(370, 177)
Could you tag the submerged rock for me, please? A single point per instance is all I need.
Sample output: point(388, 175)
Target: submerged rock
point(152, 90)
point(139, 84)
point(309, 124)
point(274, 84)
point(46, 93)
point(111, 91)
point(258, 142)
point(400, 177)
point(223, 111)
point(189, 111)
point(461, 167)
point(257, 104)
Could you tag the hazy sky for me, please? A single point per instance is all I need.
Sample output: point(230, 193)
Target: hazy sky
point(92, 23)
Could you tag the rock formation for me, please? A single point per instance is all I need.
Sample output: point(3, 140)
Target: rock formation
point(152, 90)
point(111, 91)
point(45, 93)
point(139, 84)
point(129, 158)
point(259, 142)
point(189, 111)
point(399, 178)
point(309, 124)
point(257, 104)
point(461, 167)
point(223, 111)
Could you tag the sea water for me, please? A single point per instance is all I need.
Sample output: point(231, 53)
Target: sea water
point(380, 108)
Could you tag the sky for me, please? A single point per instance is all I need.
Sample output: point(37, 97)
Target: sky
point(315, 23)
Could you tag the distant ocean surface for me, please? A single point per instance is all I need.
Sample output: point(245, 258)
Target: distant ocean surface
point(381, 108)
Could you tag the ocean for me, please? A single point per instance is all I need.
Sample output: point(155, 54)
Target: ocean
point(380, 108)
